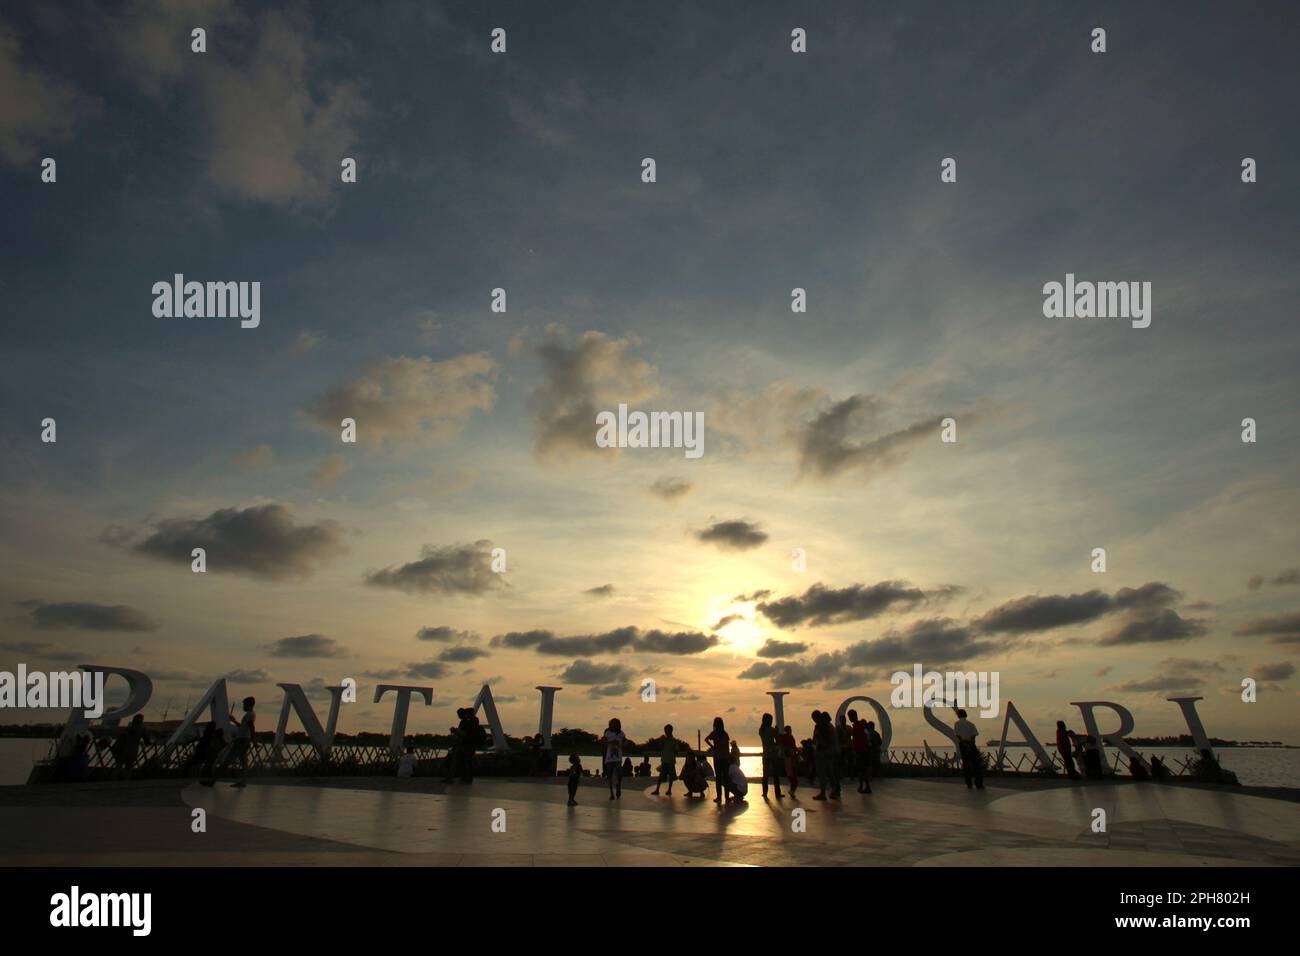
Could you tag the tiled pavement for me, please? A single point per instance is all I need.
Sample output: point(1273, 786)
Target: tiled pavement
point(420, 822)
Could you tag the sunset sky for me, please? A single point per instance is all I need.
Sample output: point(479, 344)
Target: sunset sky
point(476, 429)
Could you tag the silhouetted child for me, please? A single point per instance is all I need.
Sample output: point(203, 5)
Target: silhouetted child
point(575, 775)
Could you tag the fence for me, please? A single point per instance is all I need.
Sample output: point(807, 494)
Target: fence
point(349, 759)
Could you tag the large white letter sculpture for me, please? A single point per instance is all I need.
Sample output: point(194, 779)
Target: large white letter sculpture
point(1115, 738)
point(1013, 716)
point(882, 718)
point(396, 738)
point(296, 700)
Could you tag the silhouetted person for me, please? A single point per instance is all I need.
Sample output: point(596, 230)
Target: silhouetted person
point(667, 761)
point(789, 758)
point(1092, 768)
point(877, 746)
point(826, 745)
point(1066, 750)
point(972, 766)
point(719, 742)
point(693, 777)
point(209, 742)
point(127, 747)
point(861, 751)
point(575, 776)
point(239, 748)
point(773, 763)
point(844, 737)
point(614, 739)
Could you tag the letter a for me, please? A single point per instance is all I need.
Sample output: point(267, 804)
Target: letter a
point(799, 40)
point(1248, 430)
point(1098, 40)
point(49, 170)
point(1247, 170)
point(648, 170)
point(349, 167)
point(200, 42)
point(499, 41)
point(48, 431)
point(948, 170)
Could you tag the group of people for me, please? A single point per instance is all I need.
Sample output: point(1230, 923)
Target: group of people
point(466, 738)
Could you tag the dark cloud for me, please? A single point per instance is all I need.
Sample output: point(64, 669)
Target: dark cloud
point(261, 542)
point(608, 690)
point(734, 535)
point(1279, 626)
point(242, 676)
point(727, 619)
point(444, 635)
point(1289, 576)
point(775, 648)
point(1043, 613)
point(1164, 684)
point(308, 645)
point(589, 672)
point(1167, 625)
point(828, 445)
point(681, 642)
point(429, 670)
point(1272, 672)
point(603, 591)
point(43, 651)
point(752, 596)
point(462, 654)
point(610, 642)
point(670, 489)
point(452, 569)
point(85, 616)
point(821, 605)
point(592, 375)
point(931, 641)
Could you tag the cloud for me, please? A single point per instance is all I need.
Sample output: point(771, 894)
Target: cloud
point(735, 535)
point(85, 616)
point(1289, 576)
point(242, 676)
point(259, 457)
point(670, 489)
point(260, 542)
point(1174, 674)
point(608, 690)
point(931, 641)
point(827, 447)
point(308, 645)
point(329, 471)
point(43, 651)
point(429, 670)
point(409, 399)
point(451, 569)
point(821, 605)
point(603, 591)
point(609, 642)
point(37, 109)
point(1043, 613)
point(1167, 625)
point(775, 648)
point(592, 375)
point(1279, 626)
point(589, 672)
point(444, 634)
point(462, 653)
point(728, 619)
point(1272, 672)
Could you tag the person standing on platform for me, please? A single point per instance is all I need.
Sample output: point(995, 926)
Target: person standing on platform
point(667, 761)
point(614, 740)
point(972, 765)
point(719, 742)
point(773, 762)
point(1065, 747)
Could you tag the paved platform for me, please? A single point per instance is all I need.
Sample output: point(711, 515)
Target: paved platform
point(422, 822)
